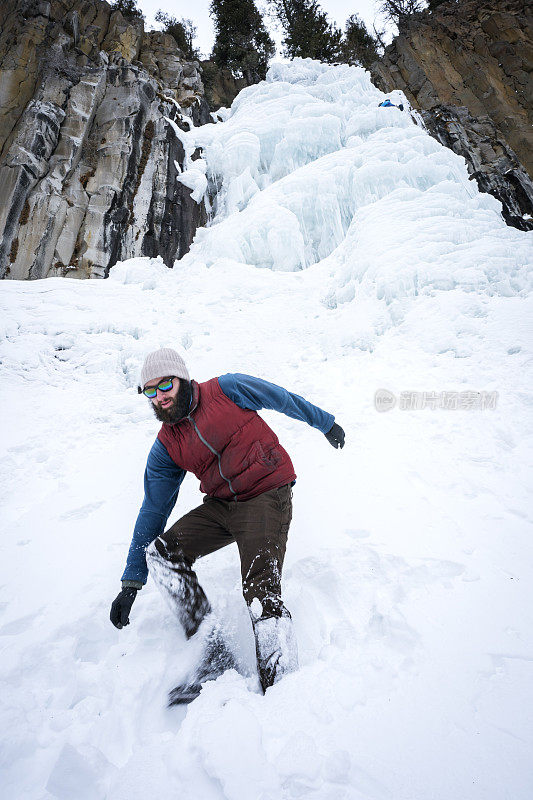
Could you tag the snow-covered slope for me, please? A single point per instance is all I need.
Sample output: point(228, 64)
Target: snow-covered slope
point(347, 252)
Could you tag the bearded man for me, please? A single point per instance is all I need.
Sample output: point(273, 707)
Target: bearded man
point(213, 430)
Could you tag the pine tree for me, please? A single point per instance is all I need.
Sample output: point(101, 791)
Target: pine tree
point(397, 11)
point(183, 31)
point(242, 42)
point(308, 33)
point(358, 45)
point(128, 9)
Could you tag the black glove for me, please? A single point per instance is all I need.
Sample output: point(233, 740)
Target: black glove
point(121, 607)
point(335, 436)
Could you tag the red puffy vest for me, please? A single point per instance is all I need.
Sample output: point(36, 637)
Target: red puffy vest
point(231, 450)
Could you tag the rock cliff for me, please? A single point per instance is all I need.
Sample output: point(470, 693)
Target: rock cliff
point(467, 66)
point(221, 86)
point(89, 166)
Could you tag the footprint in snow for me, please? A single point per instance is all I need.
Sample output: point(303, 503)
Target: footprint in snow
point(81, 511)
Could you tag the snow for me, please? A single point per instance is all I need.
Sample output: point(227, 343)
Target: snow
point(347, 252)
point(195, 179)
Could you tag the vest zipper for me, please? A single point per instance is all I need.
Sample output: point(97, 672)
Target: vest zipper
point(212, 449)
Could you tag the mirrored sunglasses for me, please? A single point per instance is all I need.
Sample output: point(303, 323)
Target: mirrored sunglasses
point(165, 386)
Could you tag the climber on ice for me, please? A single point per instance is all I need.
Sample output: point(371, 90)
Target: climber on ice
point(213, 430)
point(388, 104)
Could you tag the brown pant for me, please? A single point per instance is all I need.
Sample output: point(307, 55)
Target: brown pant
point(259, 526)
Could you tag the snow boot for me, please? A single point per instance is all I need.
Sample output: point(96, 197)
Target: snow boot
point(179, 586)
point(276, 648)
point(216, 658)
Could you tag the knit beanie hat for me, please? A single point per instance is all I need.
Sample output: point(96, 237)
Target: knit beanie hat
point(162, 363)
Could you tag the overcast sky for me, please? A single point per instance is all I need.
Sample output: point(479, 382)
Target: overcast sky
point(337, 10)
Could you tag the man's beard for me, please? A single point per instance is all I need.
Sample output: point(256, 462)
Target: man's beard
point(180, 405)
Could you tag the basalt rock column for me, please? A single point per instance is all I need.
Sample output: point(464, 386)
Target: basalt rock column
point(88, 170)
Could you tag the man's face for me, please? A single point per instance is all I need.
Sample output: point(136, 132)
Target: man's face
point(169, 406)
point(164, 400)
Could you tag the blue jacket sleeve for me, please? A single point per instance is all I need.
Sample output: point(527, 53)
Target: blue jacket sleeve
point(255, 393)
point(162, 481)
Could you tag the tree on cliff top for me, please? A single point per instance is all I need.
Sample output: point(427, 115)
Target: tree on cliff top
point(397, 11)
point(308, 32)
point(242, 43)
point(128, 9)
point(183, 31)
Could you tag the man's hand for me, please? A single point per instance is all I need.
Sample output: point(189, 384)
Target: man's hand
point(121, 607)
point(335, 436)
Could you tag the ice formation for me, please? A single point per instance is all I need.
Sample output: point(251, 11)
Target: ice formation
point(306, 167)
